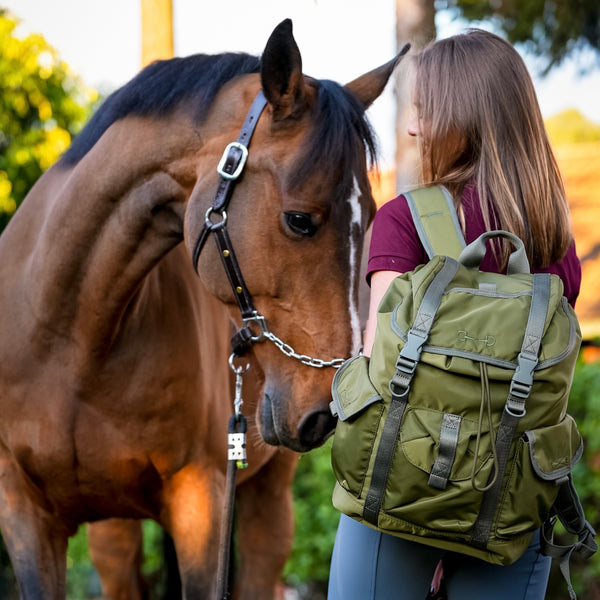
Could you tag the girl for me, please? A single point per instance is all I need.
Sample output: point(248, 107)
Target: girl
point(482, 136)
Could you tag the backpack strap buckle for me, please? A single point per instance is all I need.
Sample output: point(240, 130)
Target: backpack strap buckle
point(520, 385)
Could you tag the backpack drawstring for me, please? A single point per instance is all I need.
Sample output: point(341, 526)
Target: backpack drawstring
point(486, 401)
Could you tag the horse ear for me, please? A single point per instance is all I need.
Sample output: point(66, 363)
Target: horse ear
point(368, 87)
point(281, 72)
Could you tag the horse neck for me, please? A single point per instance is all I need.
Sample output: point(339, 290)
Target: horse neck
point(107, 223)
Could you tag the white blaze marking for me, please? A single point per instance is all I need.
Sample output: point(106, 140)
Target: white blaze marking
point(355, 220)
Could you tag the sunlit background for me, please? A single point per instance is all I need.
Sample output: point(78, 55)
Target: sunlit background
point(339, 39)
point(100, 46)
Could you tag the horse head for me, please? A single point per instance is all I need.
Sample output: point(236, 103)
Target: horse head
point(296, 221)
point(113, 355)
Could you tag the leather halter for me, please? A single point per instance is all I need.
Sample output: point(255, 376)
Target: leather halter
point(230, 168)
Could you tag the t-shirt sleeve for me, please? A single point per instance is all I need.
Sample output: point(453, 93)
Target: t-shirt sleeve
point(395, 244)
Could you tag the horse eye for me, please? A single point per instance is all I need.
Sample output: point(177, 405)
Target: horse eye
point(304, 224)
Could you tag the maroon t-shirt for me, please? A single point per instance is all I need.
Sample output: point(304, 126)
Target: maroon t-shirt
point(395, 244)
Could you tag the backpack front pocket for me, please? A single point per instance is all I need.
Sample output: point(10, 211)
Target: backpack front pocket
point(435, 461)
point(421, 437)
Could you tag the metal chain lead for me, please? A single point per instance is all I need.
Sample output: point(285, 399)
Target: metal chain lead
point(260, 323)
point(336, 363)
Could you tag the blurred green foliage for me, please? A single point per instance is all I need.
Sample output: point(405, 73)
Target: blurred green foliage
point(316, 523)
point(552, 29)
point(42, 105)
point(82, 580)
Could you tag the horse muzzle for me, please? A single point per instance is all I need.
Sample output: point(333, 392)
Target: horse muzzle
point(311, 431)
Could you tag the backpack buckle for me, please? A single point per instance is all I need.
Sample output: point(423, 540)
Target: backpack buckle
point(400, 382)
point(406, 365)
point(520, 386)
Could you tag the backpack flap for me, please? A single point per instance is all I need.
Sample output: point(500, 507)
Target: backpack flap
point(352, 390)
point(555, 450)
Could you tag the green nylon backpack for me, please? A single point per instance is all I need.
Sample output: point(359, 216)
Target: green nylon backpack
point(455, 432)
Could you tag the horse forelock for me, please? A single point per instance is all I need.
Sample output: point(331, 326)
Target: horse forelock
point(340, 138)
point(159, 89)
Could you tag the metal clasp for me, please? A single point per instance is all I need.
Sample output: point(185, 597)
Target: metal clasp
point(241, 161)
point(261, 322)
point(216, 224)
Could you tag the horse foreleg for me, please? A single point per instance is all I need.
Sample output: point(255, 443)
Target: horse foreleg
point(116, 551)
point(36, 543)
point(194, 500)
point(265, 524)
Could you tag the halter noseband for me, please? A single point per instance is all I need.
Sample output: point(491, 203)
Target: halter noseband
point(230, 168)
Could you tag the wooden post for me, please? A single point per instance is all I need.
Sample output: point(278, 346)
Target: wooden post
point(157, 30)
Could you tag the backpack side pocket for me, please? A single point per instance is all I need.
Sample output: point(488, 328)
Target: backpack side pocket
point(358, 407)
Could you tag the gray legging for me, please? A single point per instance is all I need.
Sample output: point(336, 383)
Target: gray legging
point(370, 565)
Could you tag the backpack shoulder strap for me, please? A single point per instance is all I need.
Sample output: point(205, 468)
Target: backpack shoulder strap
point(569, 511)
point(435, 218)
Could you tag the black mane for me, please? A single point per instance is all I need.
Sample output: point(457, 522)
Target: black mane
point(159, 88)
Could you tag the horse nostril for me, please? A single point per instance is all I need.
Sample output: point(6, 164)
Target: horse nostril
point(315, 428)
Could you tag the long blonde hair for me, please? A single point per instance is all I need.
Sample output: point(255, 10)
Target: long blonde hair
point(481, 121)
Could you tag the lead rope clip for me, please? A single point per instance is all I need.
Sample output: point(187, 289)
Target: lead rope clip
point(238, 425)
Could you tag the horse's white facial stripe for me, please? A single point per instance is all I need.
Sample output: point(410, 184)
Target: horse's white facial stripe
point(355, 221)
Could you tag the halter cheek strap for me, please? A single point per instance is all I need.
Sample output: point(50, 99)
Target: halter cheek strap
point(230, 168)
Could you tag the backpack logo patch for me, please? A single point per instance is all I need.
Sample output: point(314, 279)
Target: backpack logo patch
point(464, 337)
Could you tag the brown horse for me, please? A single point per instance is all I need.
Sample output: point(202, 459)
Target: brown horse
point(115, 389)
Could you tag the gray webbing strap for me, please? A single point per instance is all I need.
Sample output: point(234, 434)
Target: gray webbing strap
point(433, 213)
point(474, 253)
point(383, 460)
point(419, 332)
point(440, 472)
point(504, 437)
point(400, 385)
point(522, 380)
point(514, 408)
point(570, 512)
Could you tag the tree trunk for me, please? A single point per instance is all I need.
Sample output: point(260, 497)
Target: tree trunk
point(415, 23)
